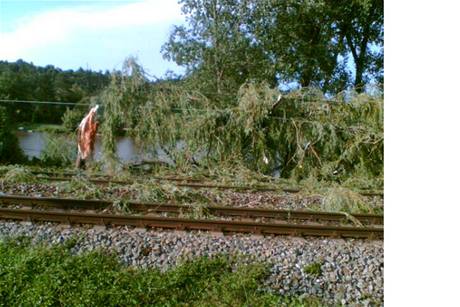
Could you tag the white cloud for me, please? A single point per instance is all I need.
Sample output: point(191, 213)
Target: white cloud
point(60, 25)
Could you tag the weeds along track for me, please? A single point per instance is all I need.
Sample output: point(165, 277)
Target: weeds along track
point(27, 211)
point(183, 182)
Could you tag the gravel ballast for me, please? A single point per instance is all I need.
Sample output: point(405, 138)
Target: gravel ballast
point(351, 271)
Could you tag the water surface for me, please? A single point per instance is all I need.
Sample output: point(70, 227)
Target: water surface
point(33, 143)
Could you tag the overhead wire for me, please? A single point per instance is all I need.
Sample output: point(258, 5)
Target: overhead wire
point(207, 111)
point(46, 102)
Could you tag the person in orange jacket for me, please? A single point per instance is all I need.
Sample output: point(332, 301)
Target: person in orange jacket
point(86, 137)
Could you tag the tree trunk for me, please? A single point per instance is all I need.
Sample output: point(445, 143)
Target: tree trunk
point(306, 76)
point(360, 57)
point(359, 82)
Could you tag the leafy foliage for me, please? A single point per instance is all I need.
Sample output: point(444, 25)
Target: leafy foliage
point(217, 48)
point(81, 187)
point(24, 81)
point(338, 199)
point(229, 42)
point(298, 134)
point(59, 150)
point(72, 118)
point(17, 174)
point(228, 110)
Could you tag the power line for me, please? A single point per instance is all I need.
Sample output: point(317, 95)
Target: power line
point(201, 112)
point(46, 102)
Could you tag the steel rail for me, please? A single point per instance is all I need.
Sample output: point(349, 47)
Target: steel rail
point(193, 224)
point(69, 203)
point(194, 183)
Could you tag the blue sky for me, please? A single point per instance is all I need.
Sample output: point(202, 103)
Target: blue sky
point(97, 35)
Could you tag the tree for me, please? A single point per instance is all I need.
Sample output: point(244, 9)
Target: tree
point(304, 42)
point(217, 48)
point(315, 43)
point(24, 81)
point(360, 22)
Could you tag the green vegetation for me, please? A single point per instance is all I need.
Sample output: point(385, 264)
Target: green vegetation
point(326, 196)
point(226, 43)
point(72, 118)
point(313, 269)
point(10, 152)
point(303, 134)
point(340, 199)
point(59, 150)
point(50, 276)
point(154, 191)
point(49, 128)
point(231, 115)
point(81, 187)
point(17, 174)
point(229, 119)
point(24, 81)
point(228, 109)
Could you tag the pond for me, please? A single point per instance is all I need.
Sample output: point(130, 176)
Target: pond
point(33, 143)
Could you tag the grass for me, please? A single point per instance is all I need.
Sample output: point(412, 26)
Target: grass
point(52, 275)
point(17, 174)
point(81, 187)
point(50, 128)
point(313, 269)
point(339, 199)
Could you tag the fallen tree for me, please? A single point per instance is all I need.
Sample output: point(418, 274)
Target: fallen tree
point(295, 134)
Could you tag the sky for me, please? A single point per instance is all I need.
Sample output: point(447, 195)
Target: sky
point(96, 35)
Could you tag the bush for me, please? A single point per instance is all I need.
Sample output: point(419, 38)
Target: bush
point(339, 199)
point(10, 152)
point(18, 175)
point(72, 118)
point(60, 150)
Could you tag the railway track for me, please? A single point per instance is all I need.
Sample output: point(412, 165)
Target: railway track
point(185, 182)
point(374, 232)
point(69, 203)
